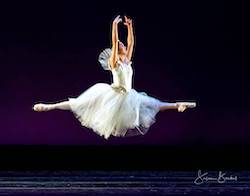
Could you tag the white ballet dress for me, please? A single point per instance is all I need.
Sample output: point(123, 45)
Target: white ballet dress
point(116, 109)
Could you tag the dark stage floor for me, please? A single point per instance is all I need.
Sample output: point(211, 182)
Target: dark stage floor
point(122, 183)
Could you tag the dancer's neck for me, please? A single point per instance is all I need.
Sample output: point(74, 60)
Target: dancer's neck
point(122, 57)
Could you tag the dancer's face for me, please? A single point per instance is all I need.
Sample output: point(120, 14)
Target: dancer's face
point(122, 49)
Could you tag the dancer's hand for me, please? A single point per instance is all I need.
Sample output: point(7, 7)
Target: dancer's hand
point(117, 20)
point(128, 21)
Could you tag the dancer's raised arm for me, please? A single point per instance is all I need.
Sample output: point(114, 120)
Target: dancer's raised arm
point(114, 53)
point(130, 38)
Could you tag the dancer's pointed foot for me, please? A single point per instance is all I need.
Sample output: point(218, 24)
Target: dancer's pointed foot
point(182, 106)
point(40, 107)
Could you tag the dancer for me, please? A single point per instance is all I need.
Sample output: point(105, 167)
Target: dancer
point(116, 109)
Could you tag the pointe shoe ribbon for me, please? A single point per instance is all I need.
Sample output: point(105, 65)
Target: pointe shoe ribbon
point(184, 105)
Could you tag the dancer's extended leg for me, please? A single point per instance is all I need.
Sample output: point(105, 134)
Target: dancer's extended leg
point(180, 106)
point(166, 106)
point(161, 105)
point(41, 107)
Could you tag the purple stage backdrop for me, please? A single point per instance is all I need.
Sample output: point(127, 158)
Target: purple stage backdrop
point(185, 51)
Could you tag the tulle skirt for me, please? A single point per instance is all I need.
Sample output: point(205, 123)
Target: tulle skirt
point(111, 111)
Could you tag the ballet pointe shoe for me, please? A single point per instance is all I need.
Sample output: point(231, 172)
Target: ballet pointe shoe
point(40, 107)
point(182, 106)
point(189, 104)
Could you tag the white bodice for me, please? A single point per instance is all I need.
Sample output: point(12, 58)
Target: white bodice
point(122, 76)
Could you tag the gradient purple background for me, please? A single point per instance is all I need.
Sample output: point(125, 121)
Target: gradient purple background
point(185, 51)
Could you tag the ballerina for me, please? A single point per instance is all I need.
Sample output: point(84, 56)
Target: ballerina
point(116, 109)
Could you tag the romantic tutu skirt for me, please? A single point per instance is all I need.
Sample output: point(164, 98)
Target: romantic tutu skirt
point(112, 111)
